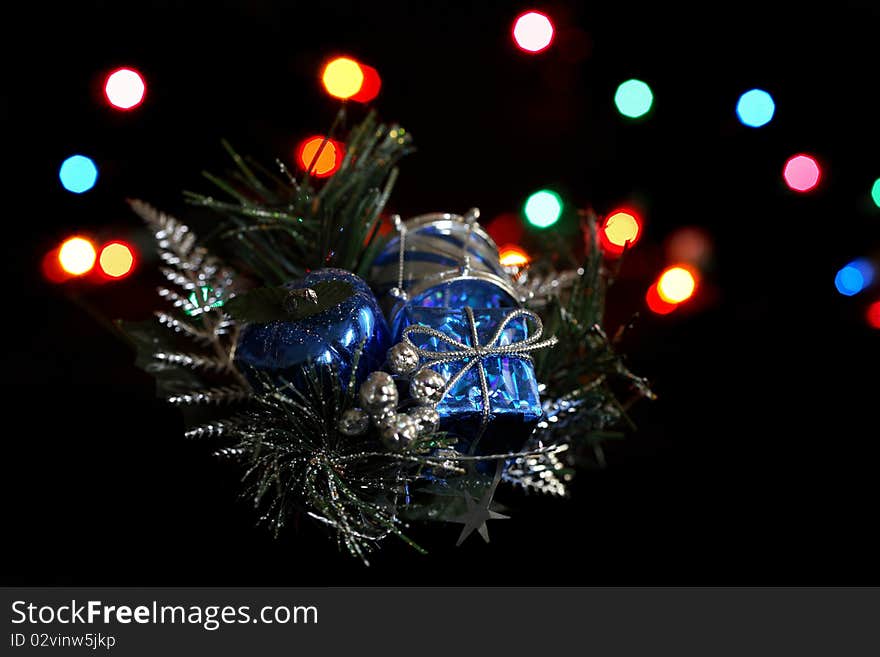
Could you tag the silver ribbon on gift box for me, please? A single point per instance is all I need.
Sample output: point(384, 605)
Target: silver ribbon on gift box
point(472, 355)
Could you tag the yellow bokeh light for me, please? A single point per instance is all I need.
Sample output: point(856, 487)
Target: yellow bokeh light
point(343, 77)
point(116, 260)
point(77, 256)
point(676, 284)
point(621, 227)
point(512, 256)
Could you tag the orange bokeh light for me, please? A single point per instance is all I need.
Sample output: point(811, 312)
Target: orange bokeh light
point(323, 156)
point(513, 256)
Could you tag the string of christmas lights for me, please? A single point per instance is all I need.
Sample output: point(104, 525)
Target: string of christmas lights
point(348, 79)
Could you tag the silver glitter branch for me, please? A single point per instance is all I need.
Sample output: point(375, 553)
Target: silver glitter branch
point(543, 472)
point(204, 284)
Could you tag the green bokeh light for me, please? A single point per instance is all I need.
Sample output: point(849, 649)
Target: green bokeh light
point(633, 98)
point(206, 293)
point(875, 192)
point(543, 208)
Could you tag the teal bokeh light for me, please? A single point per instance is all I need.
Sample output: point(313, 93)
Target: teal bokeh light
point(633, 98)
point(755, 108)
point(78, 174)
point(543, 208)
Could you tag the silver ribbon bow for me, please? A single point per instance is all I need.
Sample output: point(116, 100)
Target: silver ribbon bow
point(473, 354)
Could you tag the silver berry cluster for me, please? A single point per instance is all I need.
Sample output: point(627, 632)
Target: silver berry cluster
point(379, 399)
point(426, 386)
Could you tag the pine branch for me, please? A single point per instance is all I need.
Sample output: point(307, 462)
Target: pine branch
point(280, 227)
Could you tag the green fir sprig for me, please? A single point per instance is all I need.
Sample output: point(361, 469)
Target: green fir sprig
point(280, 226)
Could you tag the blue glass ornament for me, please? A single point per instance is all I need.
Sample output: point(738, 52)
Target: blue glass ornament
point(281, 349)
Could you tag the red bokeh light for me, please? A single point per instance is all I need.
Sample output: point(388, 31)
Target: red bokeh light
point(371, 85)
point(873, 315)
point(656, 304)
point(52, 269)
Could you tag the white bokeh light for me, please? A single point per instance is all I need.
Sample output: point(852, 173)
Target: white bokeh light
point(533, 31)
point(125, 88)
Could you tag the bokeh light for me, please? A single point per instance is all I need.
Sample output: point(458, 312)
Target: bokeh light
point(676, 284)
point(873, 315)
point(690, 244)
point(801, 173)
point(755, 108)
point(854, 277)
point(533, 32)
point(51, 267)
point(125, 88)
point(543, 208)
point(343, 77)
point(513, 256)
point(875, 192)
point(329, 157)
point(656, 304)
point(371, 85)
point(200, 299)
point(77, 256)
point(78, 174)
point(620, 230)
point(633, 98)
point(116, 259)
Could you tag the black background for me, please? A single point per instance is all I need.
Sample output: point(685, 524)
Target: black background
point(756, 465)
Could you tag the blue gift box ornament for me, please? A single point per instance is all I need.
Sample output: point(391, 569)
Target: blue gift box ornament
point(450, 299)
point(490, 399)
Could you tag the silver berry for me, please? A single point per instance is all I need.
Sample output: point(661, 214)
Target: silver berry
point(427, 419)
point(354, 422)
point(427, 386)
point(378, 392)
point(383, 417)
point(400, 432)
point(403, 358)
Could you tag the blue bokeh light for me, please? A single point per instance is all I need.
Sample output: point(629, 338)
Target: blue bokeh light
point(755, 108)
point(78, 174)
point(854, 277)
